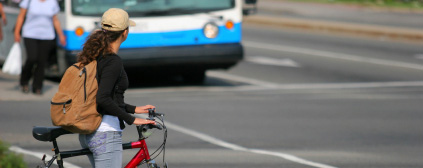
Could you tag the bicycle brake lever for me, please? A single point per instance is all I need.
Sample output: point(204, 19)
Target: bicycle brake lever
point(149, 126)
point(160, 114)
point(151, 114)
point(156, 126)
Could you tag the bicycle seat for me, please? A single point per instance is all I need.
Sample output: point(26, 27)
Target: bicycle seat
point(48, 133)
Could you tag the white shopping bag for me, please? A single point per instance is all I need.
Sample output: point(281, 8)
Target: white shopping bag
point(13, 63)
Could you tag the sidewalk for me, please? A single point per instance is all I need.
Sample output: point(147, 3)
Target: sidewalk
point(10, 90)
point(399, 24)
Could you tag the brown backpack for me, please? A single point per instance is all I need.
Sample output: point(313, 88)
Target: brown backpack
point(74, 106)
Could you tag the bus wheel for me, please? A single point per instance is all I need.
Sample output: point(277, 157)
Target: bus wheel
point(195, 77)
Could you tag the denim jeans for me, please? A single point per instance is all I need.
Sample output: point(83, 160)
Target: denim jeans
point(106, 148)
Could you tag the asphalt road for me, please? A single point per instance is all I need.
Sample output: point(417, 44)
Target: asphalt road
point(298, 100)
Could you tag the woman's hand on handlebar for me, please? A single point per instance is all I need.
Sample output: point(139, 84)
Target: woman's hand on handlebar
point(140, 121)
point(143, 109)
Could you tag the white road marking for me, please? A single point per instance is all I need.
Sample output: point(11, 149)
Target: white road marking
point(351, 85)
point(290, 157)
point(327, 54)
point(236, 78)
point(236, 147)
point(272, 61)
point(40, 155)
point(142, 92)
point(265, 84)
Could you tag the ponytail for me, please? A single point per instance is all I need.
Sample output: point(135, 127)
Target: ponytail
point(97, 44)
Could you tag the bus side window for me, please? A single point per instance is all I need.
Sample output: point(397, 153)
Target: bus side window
point(61, 5)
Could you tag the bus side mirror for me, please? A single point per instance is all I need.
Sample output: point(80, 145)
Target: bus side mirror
point(248, 10)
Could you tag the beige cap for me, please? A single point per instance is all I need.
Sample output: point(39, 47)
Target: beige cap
point(116, 19)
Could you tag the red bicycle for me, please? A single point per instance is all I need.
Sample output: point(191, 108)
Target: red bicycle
point(143, 155)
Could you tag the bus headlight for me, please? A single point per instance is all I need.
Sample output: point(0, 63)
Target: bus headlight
point(211, 30)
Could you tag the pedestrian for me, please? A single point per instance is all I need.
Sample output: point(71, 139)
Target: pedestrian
point(38, 34)
point(103, 45)
point(4, 19)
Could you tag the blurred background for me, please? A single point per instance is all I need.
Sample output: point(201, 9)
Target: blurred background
point(267, 83)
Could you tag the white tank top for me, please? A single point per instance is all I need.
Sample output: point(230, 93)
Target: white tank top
point(109, 123)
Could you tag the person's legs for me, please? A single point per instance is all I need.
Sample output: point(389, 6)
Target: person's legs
point(106, 148)
point(31, 59)
point(83, 140)
point(45, 47)
point(52, 58)
point(109, 156)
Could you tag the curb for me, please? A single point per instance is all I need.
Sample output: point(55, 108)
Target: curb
point(338, 27)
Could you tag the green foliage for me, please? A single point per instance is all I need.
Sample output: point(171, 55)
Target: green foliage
point(9, 159)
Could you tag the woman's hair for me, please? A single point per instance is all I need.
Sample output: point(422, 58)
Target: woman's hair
point(97, 44)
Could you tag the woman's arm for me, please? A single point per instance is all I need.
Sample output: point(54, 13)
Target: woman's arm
point(59, 31)
point(130, 108)
point(143, 109)
point(3, 15)
point(110, 73)
point(140, 109)
point(19, 23)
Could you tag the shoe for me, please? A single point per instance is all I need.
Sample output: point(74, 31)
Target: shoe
point(25, 88)
point(37, 92)
point(54, 68)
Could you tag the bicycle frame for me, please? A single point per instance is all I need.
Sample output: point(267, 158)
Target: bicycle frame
point(142, 155)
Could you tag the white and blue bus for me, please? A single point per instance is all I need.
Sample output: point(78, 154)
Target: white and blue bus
point(181, 37)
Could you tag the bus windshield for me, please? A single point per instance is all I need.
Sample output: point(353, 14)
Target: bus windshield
point(149, 7)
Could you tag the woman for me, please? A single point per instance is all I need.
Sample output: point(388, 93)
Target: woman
point(38, 31)
point(103, 46)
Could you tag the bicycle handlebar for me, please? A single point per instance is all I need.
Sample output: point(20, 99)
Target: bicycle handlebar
point(151, 115)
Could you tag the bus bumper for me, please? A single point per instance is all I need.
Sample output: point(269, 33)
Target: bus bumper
point(197, 56)
point(211, 56)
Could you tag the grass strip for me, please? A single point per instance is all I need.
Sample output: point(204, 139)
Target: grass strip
point(9, 159)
